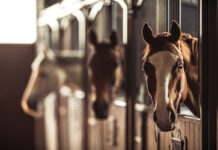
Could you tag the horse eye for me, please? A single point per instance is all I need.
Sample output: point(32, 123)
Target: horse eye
point(180, 67)
point(43, 74)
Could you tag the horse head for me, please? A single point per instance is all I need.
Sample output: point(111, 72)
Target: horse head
point(50, 71)
point(106, 72)
point(171, 67)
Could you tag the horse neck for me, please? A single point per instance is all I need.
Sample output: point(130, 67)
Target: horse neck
point(191, 70)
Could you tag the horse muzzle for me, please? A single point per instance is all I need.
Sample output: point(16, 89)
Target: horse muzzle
point(33, 102)
point(101, 109)
point(165, 121)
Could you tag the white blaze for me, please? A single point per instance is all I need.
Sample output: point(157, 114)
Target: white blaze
point(163, 62)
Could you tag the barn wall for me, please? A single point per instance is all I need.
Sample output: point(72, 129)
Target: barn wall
point(16, 128)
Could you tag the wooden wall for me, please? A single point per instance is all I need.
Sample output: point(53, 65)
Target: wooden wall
point(16, 128)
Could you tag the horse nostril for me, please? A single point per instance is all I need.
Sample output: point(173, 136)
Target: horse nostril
point(155, 117)
point(172, 115)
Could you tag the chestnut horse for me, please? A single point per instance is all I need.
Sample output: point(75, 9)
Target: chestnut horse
point(170, 63)
point(106, 71)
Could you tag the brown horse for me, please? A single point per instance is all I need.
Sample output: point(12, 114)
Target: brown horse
point(171, 68)
point(106, 72)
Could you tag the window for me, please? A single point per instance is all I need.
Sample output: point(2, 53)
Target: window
point(18, 21)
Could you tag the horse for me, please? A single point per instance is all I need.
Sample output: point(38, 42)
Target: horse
point(50, 71)
point(106, 72)
point(170, 64)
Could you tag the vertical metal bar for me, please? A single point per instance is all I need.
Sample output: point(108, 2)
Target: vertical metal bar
point(54, 26)
point(81, 25)
point(124, 21)
point(83, 50)
point(86, 89)
point(144, 131)
point(131, 84)
point(61, 39)
point(109, 18)
point(200, 72)
point(168, 15)
point(175, 10)
point(61, 122)
point(58, 104)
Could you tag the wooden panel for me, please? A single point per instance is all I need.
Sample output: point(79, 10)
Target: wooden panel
point(39, 134)
point(190, 130)
point(95, 134)
point(138, 127)
point(114, 129)
point(167, 141)
point(75, 123)
point(150, 132)
point(187, 132)
point(162, 141)
point(16, 128)
point(197, 135)
point(191, 136)
point(182, 128)
point(50, 123)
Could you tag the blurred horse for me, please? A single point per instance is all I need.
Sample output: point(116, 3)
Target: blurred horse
point(50, 71)
point(106, 69)
point(171, 68)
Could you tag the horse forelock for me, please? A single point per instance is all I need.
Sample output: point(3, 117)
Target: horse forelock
point(162, 43)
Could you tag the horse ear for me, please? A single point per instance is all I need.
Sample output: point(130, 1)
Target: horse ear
point(175, 31)
point(93, 37)
point(113, 38)
point(147, 33)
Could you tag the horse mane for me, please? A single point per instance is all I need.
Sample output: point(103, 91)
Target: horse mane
point(193, 45)
point(191, 68)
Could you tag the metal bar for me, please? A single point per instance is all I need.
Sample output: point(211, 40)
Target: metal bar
point(130, 83)
point(86, 99)
point(200, 71)
point(168, 15)
point(59, 10)
point(124, 7)
point(162, 15)
point(54, 26)
point(144, 129)
point(78, 14)
point(95, 9)
point(175, 10)
point(59, 124)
